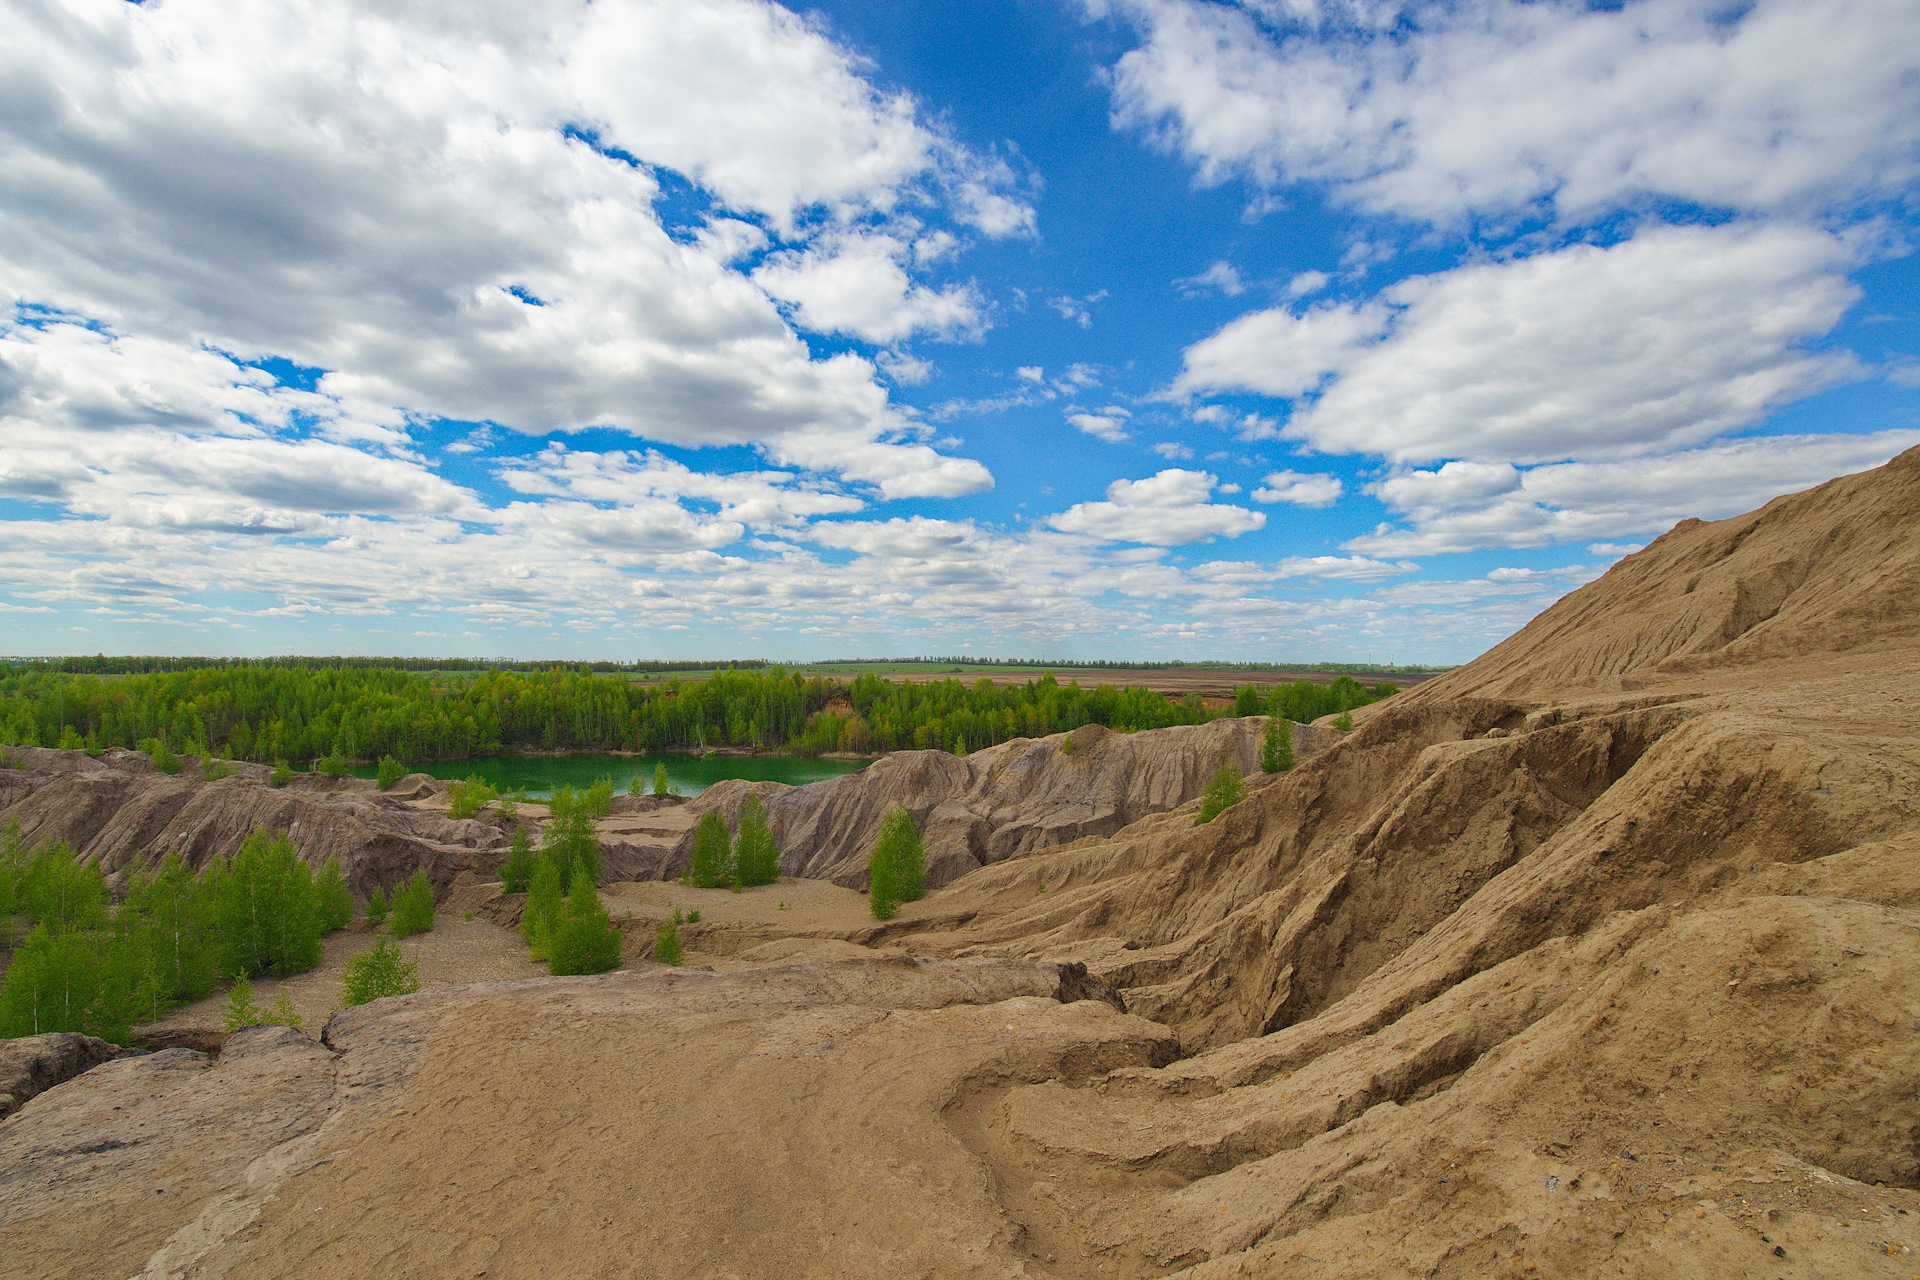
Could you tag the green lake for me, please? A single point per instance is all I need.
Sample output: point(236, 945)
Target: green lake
point(539, 775)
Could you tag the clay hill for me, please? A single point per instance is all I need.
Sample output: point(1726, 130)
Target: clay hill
point(1597, 957)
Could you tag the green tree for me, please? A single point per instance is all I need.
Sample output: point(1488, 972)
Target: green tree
point(660, 778)
point(666, 942)
point(282, 774)
point(896, 869)
point(1276, 749)
point(464, 799)
point(377, 907)
point(65, 895)
point(572, 838)
point(391, 771)
point(379, 971)
point(52, 982)
point(585, 941)
point(333, 764)
point(331, 897)
point(635, 787)
point(544, 905)
point(756, 854)
point(164, 760)
point(265, 915)
point(1222, 793)
point(1344, 722)
point(597, 800)
point(1246, 701)
point(241, 1011)
point(413, 906)
point(517, 871)
point(174, 916)
point(712, 852)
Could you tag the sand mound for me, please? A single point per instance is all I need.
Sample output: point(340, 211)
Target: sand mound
point(1600, 956)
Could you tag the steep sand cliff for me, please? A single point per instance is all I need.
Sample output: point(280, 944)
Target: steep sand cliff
point(1600, 956)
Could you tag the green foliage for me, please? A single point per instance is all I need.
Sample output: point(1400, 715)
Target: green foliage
point(377, 907)
point(241, 1011)
point(571, 838)
point(756, 855)
point(1246, 701)
point(391, 771)
point(1276, 749)
point(1066, 747)
point(585, 941)
point(282, 774)
point(597, 800)
point(693, 916)
point(264, 909)
point(413, 907)
point(660, 778)
point(666, 942)
point(164, 760)
point(1344, 722)
point(1304, 701)
point(896, 869)
point(174, 912)
point(381, 970)
point(712, 853)
point(65, 895)
point(517, 871)
point(213, 770)
point(635, 787)
point(544, 906)
point(51, 984)
point(332, 898)
point(464, 799)
point(1222, 793)
point(333, 764)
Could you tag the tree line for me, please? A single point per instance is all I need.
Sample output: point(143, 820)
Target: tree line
point(267, 712)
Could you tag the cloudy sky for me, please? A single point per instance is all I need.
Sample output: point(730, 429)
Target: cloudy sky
point(1268, 330)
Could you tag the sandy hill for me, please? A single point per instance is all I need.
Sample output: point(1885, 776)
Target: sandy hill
point(1599, 956)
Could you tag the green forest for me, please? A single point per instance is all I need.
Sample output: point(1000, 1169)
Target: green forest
point(280, 710)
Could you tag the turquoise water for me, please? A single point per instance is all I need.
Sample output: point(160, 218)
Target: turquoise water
point(539, 775)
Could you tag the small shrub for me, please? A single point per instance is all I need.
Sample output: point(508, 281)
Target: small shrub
point(282, 1013)
point(464, 799)
point(660, 787)
point(544, 904)
point(1344, 722)
point(241, 1011)
point(164, 760)
point(377, 907)
point(1066, 746)
point(378, 972)
point(332, 896)
point(391, 771)
point(666, 942)
point(1222, 793)
point(635, 787)
point(516, 873)
point(334, 766)
point(756, 854)
point(71, 741)
point(693, 916)
point(413, 907)
point(282, 774)
point(1276, 750)
point(896, 869)
point(586, 941)
point(597, 800)
point(712, 851)
point(213, 770)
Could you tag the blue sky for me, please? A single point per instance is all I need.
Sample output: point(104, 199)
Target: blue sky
point(1272, 330)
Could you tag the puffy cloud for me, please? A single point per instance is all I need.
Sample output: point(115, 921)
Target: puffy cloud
point(1167, 509)
point(1222, 277)
point(1465, 505)
point(1668, 339)
point(1110, 424)
point(855, 284)
point(440, 210)
point(1439, 111)
point(1302, 490)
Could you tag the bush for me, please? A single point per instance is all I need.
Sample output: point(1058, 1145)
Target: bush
point(213, 770)
point(391, 771)
point(586, 941)
point(282, 774)
point(172, 918)
point(164, 760)
point(756, 855)
point(635, 787)
point(264, 908)
point(413, 907)
point(332, 897)
point(544, 905)
point(241, 1010)
point(1222, 793)
point(712, 852)
point(896, 869)
point(378, 972)
point(517, 871)
point(377, 907)
point(1344, 722)
point(334, 765)
point(1276, 749)
point(571, 838)
point(666, 943)
point(464, 799)
point(597, 800)
point(660, 787)
point(1246, 701)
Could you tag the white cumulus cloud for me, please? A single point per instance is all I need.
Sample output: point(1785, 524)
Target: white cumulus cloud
point(1167, 509)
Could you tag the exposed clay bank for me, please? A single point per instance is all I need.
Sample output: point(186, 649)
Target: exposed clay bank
point(538, 775)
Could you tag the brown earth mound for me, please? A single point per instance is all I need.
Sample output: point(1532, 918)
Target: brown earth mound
point(1600, 956)
point(121, 813)
point(998, 803)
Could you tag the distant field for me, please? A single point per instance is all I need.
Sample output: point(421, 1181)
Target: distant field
point(1212, 683)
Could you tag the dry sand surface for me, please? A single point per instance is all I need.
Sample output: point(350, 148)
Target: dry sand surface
point(1597, 957)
